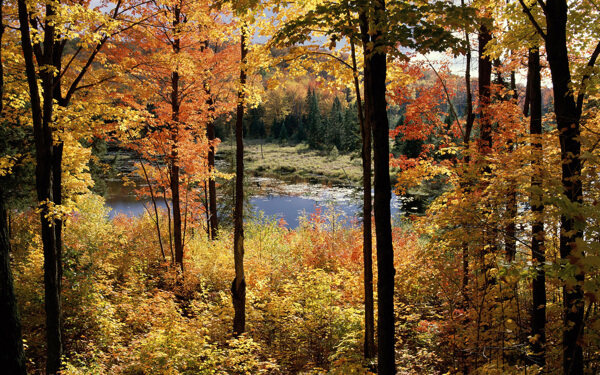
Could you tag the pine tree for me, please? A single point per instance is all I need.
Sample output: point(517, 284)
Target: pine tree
point(283, 133)
point(257, 125)
point(349, 134)
point(335, 124)
point(275, 129)
point(313, 121)
point(300, 131)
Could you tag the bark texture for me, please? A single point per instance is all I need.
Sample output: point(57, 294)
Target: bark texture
point(44, 172)
point(375, 90)
point(238, 286)
point(571, 227)
point(12, 356)
point(173, 161)
point(365, 132)
point(538, 286)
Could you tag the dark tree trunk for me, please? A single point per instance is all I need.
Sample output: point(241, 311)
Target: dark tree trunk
point(213, 219)
point(174, 162)
point(238, 286)
point(469, 120)
point(45, 159)
point(485, 142)
point(376, 111)
point(176, 206)
point(365, 132)
point(212, 188)
point(538, 317)
point(206, 211)
point(12, 356)
point(571, 226)
point(485, 80)
point(510, 239)
point(57, 153)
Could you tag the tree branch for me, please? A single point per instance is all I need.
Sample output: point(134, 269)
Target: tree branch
point(586, 77)
point(324, 54)
point(535, 24)
point(447, 96)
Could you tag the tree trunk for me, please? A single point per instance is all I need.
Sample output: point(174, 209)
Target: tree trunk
point(238, 286)
point(470, 118)
point(376, 111)
point(510, 239)
point(44, 153)
point(485, 137)
point(571, 226)
point(12, 356)
point(485, 80)
point(538, 317)
point(212, 188)
point(174, 162)
point(365, 132)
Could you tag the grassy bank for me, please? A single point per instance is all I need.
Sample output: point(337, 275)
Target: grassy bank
point(296, 163)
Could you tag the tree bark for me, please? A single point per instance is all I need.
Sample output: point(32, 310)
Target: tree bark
point(485, 139)
point(238, 286)
point(376, 111)
point(213, 219)
point(174, 160)
point(571, 226)
point(212, 188)
point(470, 118)
point(510, 239)
point(365, 132)
point(538, 317)
point(12, 356)
point(485, 80)
point(45, 159)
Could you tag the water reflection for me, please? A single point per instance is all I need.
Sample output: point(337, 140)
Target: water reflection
point(275, 199)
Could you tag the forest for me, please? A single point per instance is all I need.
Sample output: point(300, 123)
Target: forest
point(457, 144)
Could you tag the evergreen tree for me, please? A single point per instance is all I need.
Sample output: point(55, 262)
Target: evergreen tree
point(350, 131)
point(291, 124)
point(300, 135)
point(313, 121)
point(283, 133)
point(275, 129)
point(335, 124)
point(257, 125)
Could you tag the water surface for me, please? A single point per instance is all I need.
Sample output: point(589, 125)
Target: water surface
point(274, 198)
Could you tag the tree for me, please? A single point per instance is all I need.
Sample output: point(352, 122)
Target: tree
point(12, 357)
point(238, 286)
point(185, 92)
point(374, 47)
point(538, 286)
point(49, 52)
point(313, 120)
point(568, 109)
point(283, 133)
point(350, 135)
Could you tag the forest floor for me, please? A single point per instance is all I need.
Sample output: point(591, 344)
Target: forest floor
point(298, 163)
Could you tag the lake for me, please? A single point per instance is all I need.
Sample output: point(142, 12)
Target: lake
point(274, 198)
